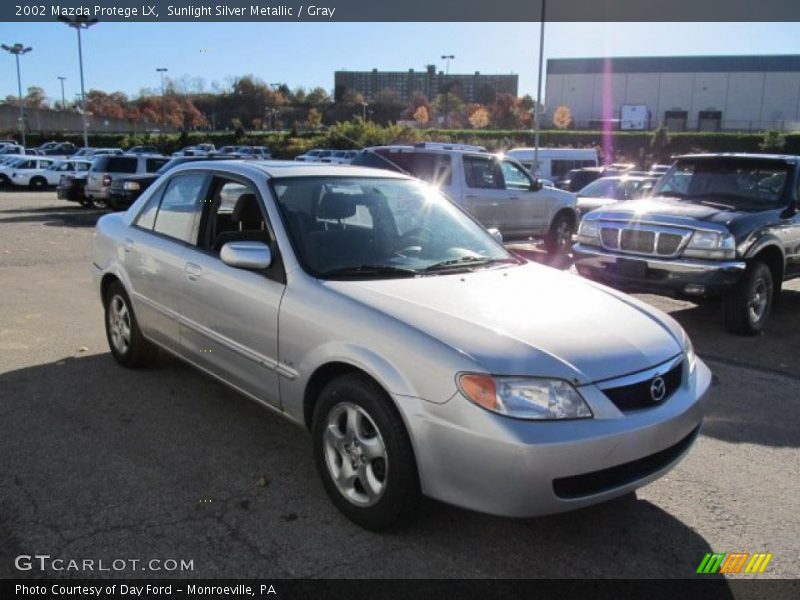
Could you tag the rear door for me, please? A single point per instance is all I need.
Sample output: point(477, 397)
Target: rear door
point(156, 252)
point(485, 196)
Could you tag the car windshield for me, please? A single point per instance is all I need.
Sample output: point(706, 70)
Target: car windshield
point(345, 227)
point(737, 183)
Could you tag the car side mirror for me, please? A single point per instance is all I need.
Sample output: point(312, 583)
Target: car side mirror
point(536, 185)
point(496, 234)
point(246, 255)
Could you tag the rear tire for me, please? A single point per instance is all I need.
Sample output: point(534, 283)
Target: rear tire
point(99, 203)
point(559, 238)
point(128, 346)
point(363, 453)
point(37, 183)
point(747, 306)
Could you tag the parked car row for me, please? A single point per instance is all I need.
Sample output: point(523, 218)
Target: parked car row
point(335, 157)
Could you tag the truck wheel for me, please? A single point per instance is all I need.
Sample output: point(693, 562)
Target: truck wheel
point(99, 203)
point(363, 453)
point(747, 306)
point(559, 238)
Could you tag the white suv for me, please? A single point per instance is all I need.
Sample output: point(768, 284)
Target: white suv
point(496, 190)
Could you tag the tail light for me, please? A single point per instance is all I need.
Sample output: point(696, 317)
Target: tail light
point(106, 180)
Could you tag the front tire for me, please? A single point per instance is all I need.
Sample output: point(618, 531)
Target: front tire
point(128, 346)
point(559, 238)
point(363, 453)
point(746, 308)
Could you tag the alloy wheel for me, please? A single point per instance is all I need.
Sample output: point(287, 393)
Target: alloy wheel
point(355, 454)
point(759, 299)
point(119, 324)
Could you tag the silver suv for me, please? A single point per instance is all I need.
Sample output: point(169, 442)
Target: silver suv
point(107, 168)
point(496, 190)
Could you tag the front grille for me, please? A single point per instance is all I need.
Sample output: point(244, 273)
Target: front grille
point(610, 237)
point(668, 243)
point(637, 395)
point(652, 240)
point(604, 480)
point(637, 240)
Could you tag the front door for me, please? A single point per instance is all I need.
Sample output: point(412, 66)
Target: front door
point(229, 323)
point(484, 194)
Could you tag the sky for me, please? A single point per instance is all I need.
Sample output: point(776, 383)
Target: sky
point(124, 56)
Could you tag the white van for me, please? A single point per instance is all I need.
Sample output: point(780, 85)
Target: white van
point(554, 163)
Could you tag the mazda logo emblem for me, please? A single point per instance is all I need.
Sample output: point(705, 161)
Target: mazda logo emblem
point(658, 389)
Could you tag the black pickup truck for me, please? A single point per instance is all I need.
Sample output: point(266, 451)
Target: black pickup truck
point(715, 225)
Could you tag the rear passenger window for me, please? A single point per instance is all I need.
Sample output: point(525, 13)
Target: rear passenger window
point(180, 205)
point(121, 164)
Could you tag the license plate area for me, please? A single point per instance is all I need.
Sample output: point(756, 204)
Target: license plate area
point(630, 267)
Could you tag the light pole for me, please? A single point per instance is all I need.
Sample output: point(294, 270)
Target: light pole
point(364, 106)
point(447, 58)
point(536, 114)
point(63, 99)
point(17, 50)
point(79, 23)
point(163, 70)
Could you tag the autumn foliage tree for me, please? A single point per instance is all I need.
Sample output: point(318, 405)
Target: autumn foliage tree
point(478, 116)
point(562, 117)
point(421, 115)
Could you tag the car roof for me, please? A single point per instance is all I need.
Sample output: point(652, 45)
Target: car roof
point(289, 168)
point(751, 155)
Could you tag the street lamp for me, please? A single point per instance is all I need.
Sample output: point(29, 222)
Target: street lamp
point(63, 99)
point(364, 106)
point(447, 58)
point(17, 50)
point(163, 70)
point(79, 23)
point(536, 114)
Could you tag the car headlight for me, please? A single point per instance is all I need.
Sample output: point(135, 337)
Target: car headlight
point(589, 232)
point(131, 186)
point(530, 398)
point(710, 244)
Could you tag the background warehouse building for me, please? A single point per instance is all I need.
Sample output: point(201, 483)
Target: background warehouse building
point(686, 93)
point(476, 87)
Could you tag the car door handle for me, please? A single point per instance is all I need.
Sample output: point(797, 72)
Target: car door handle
point(128, 244)
point(193, 271)
point(513, 197)
point(470, 196)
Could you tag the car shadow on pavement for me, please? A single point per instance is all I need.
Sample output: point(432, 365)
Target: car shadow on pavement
point(105, 462)
point(71, 215)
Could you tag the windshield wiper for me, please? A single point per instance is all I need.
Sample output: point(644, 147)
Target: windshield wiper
point(360, 270)
point(671, 194)
point(464, 261)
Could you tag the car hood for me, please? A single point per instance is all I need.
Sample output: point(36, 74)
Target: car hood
point(671, 209)
point(528, 320)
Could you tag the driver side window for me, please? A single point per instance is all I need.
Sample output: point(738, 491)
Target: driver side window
point(515, 178)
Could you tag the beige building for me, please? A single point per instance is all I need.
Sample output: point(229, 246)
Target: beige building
point(687, 93)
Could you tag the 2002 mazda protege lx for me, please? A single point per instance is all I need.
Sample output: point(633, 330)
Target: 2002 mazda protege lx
point(423, 357)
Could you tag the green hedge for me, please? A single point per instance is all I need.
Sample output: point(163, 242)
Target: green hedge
point(355, 134)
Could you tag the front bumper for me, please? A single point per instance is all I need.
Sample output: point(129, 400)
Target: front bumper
point(478, 460)
point(704, 277)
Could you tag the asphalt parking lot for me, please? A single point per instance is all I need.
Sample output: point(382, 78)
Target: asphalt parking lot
point(99, 462)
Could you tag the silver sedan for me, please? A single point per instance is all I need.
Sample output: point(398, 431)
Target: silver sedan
point(423, 357)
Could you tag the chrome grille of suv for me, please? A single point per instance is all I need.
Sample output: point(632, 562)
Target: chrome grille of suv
point(644, 239)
